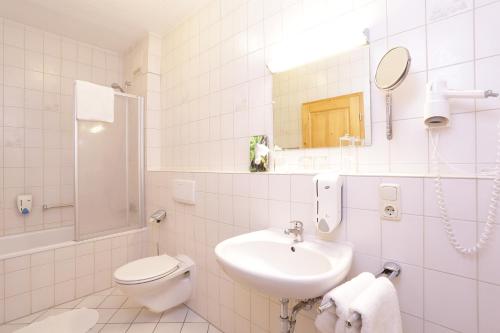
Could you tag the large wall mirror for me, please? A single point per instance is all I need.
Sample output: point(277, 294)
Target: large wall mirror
point(325, 103)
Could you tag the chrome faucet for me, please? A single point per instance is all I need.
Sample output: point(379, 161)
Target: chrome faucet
point(296, 230)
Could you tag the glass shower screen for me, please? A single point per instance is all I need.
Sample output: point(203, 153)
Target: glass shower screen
point(109, 171)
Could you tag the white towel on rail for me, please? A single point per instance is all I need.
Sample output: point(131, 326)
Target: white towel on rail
point(379, 308)
point(342, 296)
point(94, 102)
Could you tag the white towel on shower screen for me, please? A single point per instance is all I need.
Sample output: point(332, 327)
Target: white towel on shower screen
point(378, 306)
point(94, 102)
point(342, 296)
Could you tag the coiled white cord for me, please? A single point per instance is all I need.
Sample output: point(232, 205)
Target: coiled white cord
point(492, 208)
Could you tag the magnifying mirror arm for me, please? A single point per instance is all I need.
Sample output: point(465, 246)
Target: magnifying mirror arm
point(388, 114)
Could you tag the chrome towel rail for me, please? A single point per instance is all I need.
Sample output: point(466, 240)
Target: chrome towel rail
point(47, 206)
point(390, 270)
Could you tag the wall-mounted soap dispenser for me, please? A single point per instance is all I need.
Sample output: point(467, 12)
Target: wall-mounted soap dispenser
point(24, 203)
point(328, 202)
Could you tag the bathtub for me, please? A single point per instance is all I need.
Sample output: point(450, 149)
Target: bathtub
point(30, 242)
point(50, 257)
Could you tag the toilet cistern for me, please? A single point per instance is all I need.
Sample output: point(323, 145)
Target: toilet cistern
point(296, 230)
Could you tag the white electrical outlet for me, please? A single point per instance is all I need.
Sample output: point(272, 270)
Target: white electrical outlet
point(390, 202)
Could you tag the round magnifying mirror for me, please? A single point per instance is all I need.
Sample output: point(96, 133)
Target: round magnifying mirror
point(391, 71)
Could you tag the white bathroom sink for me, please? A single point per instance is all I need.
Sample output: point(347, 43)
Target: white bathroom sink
point(272, 263)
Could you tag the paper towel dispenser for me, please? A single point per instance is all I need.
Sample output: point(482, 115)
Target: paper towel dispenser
point(328, 202)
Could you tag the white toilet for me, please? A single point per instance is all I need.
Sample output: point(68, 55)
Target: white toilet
point(158, 283)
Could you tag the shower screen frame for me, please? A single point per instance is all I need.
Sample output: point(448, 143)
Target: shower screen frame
point(140, 142)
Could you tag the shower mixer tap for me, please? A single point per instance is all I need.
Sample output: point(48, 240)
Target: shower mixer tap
point(158, 216)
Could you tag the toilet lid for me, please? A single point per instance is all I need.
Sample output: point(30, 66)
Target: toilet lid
point(146, 269)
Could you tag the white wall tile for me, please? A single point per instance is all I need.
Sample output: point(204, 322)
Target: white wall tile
point(17, 282)
point(17, 306)
point(363, 230)
point(259, 186)
point(402, 240)
point(404, 15)
point(13, 34)
point(486, 132)
point(362, 192)
point(42, 276)
point(450, 41)
point(485, 22)
point(411, 290)
point(440, 292)
point(302, 189)
point(459, 198)
point(489, 305)
point(409, 145)
point(414, 40)
point(440, 255)
point(279, 187)
point(488, 256)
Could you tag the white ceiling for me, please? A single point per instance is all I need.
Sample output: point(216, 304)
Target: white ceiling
point(111, 24)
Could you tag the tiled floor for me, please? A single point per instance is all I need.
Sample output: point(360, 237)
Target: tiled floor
point(117, 314)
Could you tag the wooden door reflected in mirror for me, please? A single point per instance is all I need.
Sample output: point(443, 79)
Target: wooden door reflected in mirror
point(325, 121)
point(316, 104)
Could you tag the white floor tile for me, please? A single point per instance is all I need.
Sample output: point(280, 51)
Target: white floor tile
point(51, 312)
point(28, 319)
point(193, 317)
point(105, 315)
point(147, 316)
point(113, 302)
point(97, 328)
point(124, 316)
point(175, 315)
point(130, 303)
point(142, 328)
point(168, 328)
point(116, 292)
point(10, 328)
point(117, 314)
point(105, 292)
point(91, 302)
point(194, 328)
point(69, 305)
point(115, 328)
point(213, 329)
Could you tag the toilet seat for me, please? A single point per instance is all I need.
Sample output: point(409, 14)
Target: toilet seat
point(146, 270)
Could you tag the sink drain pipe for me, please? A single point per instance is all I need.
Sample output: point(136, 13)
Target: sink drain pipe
point(285, 324)
point(288, 322)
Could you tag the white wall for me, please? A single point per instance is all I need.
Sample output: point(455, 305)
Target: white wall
point(216, 89)
point(439, 289)
point(37, 71)
point(216, 92)
point(142, 70)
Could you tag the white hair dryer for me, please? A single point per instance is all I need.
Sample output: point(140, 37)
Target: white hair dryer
point(437, 114)
point(437, 106)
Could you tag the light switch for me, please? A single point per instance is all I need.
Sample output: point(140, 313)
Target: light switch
point(388, 192)
point(390, 201)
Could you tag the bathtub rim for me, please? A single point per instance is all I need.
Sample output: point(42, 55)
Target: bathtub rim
point(65, 244)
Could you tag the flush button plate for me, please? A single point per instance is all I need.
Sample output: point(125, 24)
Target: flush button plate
point(390, 203)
